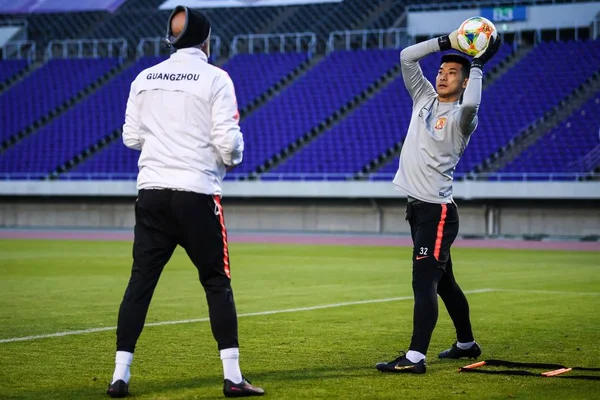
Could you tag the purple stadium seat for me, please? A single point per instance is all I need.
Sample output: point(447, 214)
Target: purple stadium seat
point(367, 132)
point(278, 123)
point(515, 100)
point(522, 95)
point(251, 74)
point(561, 148)
point(76, 130)
point(359, 138)
point(254, 74)
point(116, 158)
point(9, 68)
point(390, 167)
point(313, 98)
point(47, 88)
point(528, 90)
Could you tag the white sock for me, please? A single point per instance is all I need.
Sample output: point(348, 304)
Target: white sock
point(122, 362)
point(415, 356)
point(231, 364)
point(465, 346)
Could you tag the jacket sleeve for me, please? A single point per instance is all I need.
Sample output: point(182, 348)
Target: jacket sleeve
point(131, 128)
point(417, 85)
point(226, 134)
point(471, 101)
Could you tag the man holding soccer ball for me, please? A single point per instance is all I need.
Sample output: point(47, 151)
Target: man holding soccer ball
point(441, 124)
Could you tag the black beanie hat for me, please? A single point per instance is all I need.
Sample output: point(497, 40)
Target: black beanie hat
point(195, 31)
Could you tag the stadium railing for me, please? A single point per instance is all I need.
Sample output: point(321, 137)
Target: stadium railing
point(539, 35)
point(542, 35)
point(299, 42)
point(588, 162)
point(156, 46)
point(455, 5)
point(499, 177)
point(20, 49)
point(87, 48)
point(368, 38)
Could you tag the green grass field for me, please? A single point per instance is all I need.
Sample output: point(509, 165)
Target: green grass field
point(545, 307)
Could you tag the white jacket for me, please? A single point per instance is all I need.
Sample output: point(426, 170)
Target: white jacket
point(182, 114)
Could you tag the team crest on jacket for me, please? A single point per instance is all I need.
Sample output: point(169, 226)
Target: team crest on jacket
point(441, 122)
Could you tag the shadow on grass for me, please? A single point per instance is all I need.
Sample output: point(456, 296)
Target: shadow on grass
point(206, 387)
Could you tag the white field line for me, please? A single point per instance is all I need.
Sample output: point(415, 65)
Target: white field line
point(289, 310)
point(254, 314)
point(47, 255)
point(557, 292)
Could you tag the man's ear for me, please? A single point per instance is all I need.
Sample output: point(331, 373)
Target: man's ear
point(206, 47)
point(464, 85)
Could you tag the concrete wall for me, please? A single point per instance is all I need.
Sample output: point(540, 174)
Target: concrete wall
point(550, 219)
point(317, 215)
point(81, 214)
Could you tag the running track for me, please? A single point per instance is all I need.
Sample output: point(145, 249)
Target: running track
point(311, 239)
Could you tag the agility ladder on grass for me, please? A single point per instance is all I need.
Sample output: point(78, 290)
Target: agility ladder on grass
point(554, 370)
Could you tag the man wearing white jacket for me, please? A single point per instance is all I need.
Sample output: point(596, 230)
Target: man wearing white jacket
point(182, 115)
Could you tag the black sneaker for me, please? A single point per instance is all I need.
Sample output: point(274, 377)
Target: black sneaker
point(118, 389)
point(455, 353)
point(402, 364)
point(242, 389)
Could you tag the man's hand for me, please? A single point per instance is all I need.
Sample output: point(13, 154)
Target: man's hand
point(484, 56)
point(448, 42)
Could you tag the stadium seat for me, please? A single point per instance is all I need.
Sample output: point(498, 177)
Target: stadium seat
point(47, 88)
point(9, 68)
point(367, 132)
point(561, 149)
point(311, 100)
point(254, 74)
point(251, 74)
point(536, 84)
point(79, 128)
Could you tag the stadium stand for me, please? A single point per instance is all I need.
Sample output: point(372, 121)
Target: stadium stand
point(303, 104)
point(391, 17)
point(138, 19)
point(71, 25)
point(77, 129)
point(319, 18)
point(254, 74)
point(387, 169)
point(303, 95)
point(547, 74)
point(522, 96)
point(564, 148)
point(324, 18)
point(359, 138)
point(114, 162)
point(47, 88)
point(311, 100)
point(367, 132)
point(135, 21)
point(10, 68)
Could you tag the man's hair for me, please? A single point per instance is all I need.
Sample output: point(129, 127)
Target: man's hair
point(462, 60)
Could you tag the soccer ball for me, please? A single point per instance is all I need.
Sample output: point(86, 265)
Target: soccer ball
point(474, 35)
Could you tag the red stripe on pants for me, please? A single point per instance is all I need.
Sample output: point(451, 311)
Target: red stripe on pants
point(224, 235)
point(440, 233)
